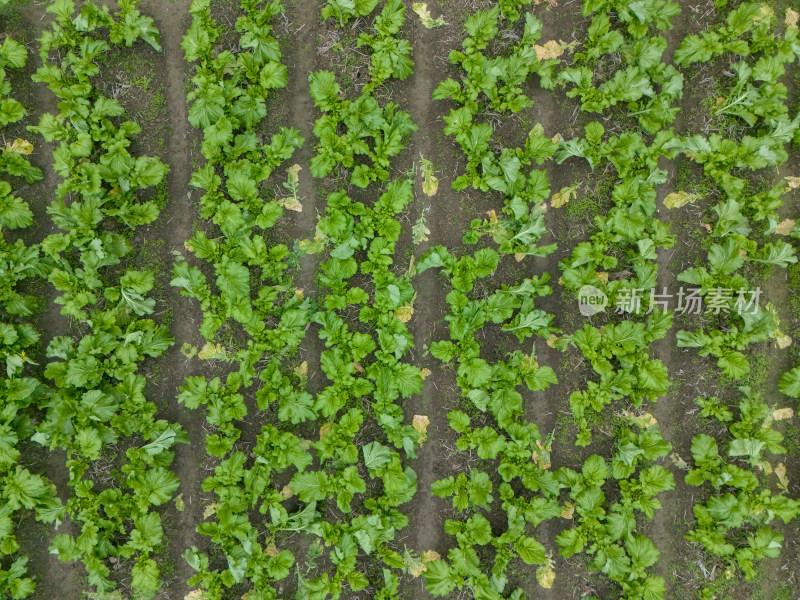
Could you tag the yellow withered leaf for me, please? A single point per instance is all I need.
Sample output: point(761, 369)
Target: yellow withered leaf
point(519, 256)
point(357, 366)
point(424, 373)
point(678, 199)
point(783, 341)
point(780, 471)
point(415, 564)
point(678, 461)
point(644, 421)
point(19, 146)
point(301, 370)
point(404, 313)
point(212, 352)
point(602, 276)
point(292, 204)
point(780, 414)
point(325, 430)
point(194, 595)
point(568, 511)
point(545, 575)
point(420, 423)
point(430, 183)
point(551, 341)
point(551, 49)
point(424, 14)
point(272, 550)
point(792, 182)
point(294, 173)
point(287, 492)
point(565, 195)
point(180, 505)
point(210, 510)
point(785, 227)
point(791, 18)
point(430, 556)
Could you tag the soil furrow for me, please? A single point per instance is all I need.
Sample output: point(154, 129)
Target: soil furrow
point(174, 227)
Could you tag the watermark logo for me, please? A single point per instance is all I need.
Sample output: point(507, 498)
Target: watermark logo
point(591, 300)
point(692, 301)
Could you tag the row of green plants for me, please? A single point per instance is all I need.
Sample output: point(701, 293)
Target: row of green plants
point(365, 303)
point(620, 260)
point(339, 491)
point(492, 424)
point(254, 317)
point(21, 491)
point(627, 240)
point(744, 490)
point(90, 394)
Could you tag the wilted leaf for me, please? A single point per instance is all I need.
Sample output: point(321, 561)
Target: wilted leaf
point(785, 227)
point(179, 503)
point(792, 182)
point(430, 555)
point(791, 18)
point(293, 173)
point(420, 423)
point(188, 350)
point(779, 414)
point(780, 471)
point(287, 492)
point(565, 195)
point(325, 430)
point(301, 370)
point(210, 510)
point(551, 49)
point(404, 313)
point(421, 8)
point(292, 204)
point(644, 421)
point(545, 575)
point(430, 183)
point(678, 199)
point(568, 511)
point(678, 461)
point(212, 352)
point(19, 146)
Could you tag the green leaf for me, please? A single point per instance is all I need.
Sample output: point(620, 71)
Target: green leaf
point(376, 456)
point(642, 551)
point(530, 551)
point(439, 580)
point(789, 383)
point(145, 576)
